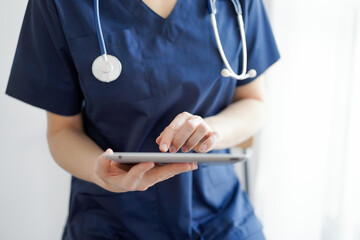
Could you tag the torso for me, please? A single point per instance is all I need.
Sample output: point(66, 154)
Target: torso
point(169, 66)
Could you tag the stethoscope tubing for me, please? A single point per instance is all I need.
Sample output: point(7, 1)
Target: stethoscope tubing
point(226, 72)
point(243, 41)
point(99, 31)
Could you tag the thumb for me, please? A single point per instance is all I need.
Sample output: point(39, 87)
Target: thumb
point(103, 164)
point(109, 151)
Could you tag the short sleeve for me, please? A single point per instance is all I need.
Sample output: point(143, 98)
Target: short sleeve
point(261, 47)
point(43, 73)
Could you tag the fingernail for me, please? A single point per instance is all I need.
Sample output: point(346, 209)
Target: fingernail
point(164, 147)
point(195, 166)
point(203, 148)
point(172, 149)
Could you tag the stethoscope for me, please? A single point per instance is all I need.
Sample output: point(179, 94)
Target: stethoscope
point(107, 68)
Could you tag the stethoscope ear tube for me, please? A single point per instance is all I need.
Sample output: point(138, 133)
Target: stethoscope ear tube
point(99, 29)
point(211, 6)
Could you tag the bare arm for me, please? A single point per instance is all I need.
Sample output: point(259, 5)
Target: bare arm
point(243, 118)
point(71, 148)
point(240, 120)
point(75, 152)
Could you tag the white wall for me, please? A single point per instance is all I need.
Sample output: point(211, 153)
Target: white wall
point(34, 190)
point(306, 186)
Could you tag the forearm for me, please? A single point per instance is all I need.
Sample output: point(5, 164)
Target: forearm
point(239, 121)
point(75, 152)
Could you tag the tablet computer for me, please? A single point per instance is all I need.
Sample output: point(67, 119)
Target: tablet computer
point(137, 157)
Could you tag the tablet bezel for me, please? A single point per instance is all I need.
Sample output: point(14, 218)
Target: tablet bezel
point(137, 157)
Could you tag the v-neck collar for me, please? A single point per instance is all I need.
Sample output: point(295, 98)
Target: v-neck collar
point(168, 27)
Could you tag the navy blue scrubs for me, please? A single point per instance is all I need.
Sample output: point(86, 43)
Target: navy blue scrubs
point(169, 66)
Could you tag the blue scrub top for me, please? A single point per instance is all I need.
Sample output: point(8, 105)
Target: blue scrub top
point(169, 66)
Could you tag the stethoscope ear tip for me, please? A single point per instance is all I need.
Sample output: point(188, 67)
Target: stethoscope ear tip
point(252, 73)
point(225, 73)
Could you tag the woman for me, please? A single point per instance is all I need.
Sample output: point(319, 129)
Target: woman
point(170, 96)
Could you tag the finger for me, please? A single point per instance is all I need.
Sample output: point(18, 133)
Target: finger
point(188, 129)
point(193, 166)
point(167, 177)
point(137, 171)
point(108, 151)
point(158, 173)
point(171, 130)
point(158, 140)
point(201, 131)
point(196, 148)
point(102, 167)
point(209, 143)
point(120, 167)
point(144, 186)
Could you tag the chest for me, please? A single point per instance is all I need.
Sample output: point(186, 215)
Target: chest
point(160, 57)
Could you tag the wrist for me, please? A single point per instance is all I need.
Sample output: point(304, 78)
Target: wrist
point(94, 177)
point(213, 123)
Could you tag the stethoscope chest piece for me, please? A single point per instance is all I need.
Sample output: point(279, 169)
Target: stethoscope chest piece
point(106, 68)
